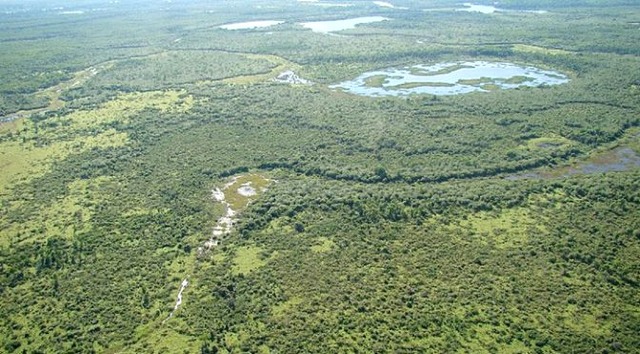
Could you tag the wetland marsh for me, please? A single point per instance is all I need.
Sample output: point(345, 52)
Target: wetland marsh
point(450, 79)
point(278, 176)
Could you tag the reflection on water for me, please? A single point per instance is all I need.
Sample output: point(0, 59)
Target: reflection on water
point(339, 25)
point(617, 160)
point(250, 24)
point(449, 79)
point(484, 9)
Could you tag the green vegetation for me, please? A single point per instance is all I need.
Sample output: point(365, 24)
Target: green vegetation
point(503, 221)
point(475, 82)
point(490, 87)
point(246, 260)
point(447, 70)
point(535, 49)
point(172, 69)
point(517, 80)
point(375, 81)
point(235, 198)
point(410, 85)
point(548, 142)
point(324, 245)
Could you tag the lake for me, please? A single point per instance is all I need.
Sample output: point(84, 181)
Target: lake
point(250, 24)
point(339, 25)
point(484, 9)
point(389, 5)
point(451, 78)
point(487, 9)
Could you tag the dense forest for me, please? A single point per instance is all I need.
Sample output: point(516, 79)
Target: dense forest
point(164, 190)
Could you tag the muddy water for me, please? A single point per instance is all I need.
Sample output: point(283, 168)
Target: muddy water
point(617, 160)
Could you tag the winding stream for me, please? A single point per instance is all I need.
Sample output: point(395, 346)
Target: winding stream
point(225, 223)
point(178, 299)
point(54, 92)
point(82, 76)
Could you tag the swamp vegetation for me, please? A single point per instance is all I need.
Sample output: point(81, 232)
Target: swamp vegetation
point(505, 221)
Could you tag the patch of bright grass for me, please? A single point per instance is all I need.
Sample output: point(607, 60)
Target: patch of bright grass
point(247, 259)
point(323, 245)
point(517, 80)
point(65, 217)
point(125, 107)
point(167, 338)
point(11, 127)
point(536, 49)
point(475, 82)
point(375, 81)
point(34, 147)
point(583, 321)
point(550, 142)
point(238, 201)
point(23, 162)
point(490, 87)
point(282, 308)
point(504, 229)
point(279, 65)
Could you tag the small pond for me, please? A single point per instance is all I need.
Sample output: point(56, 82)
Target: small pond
point(339, 25)
point(617, 160)
point(451, 78)
point(250, 25)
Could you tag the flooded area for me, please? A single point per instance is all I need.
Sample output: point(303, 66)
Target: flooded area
point(246, 190)
point(327, 27)
point(482, 9)
point(250, 25)
point(488, 9)
point(449, 79)
point(290, 77)
point(621, 159)
point(617, 160)
point(183, 285)
point(234, 196)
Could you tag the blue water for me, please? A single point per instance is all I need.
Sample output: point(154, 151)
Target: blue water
point(493, 73)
